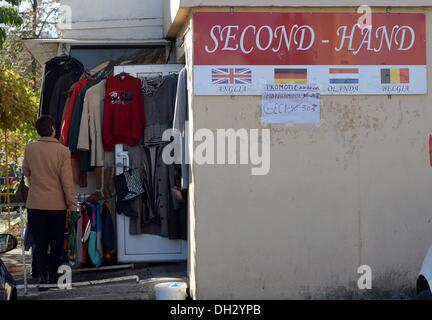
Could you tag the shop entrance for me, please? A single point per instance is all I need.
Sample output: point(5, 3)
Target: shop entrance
point(140, 62)
point(144, 247)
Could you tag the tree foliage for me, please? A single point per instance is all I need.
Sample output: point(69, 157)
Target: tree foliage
point(15, 56)
point(18, 109)
point(20, 74)
point(18, 103)
point(9, 16)
point(39, 20)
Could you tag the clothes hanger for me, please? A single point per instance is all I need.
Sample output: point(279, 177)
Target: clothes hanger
point(123, 74)
point(89, 76)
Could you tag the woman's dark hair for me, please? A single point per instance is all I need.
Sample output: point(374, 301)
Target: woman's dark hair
point(44, 126)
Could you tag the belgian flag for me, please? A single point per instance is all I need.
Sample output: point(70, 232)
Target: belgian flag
point(395, 76)
point(290, 76)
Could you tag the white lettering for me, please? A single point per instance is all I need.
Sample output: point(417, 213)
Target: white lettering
point(214, 38)
point(228, 37)
point(303, 30)
point(365, 40)
point(284, 36)
point(258, 38)
point(384, 34)
point(242, 45)
point(404, 30)
point(345, 37)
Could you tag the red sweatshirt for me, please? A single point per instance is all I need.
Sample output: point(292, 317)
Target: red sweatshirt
point(123, 115)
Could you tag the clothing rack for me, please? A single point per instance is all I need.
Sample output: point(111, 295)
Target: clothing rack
point(81, 197)
point(81, 200)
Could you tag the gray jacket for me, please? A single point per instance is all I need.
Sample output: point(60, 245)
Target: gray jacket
point(159, 100)
point(181, 116)
point(156, 205)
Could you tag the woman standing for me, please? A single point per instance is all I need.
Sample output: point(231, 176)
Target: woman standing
point(47, 164)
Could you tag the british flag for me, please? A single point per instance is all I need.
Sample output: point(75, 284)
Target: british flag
point(232, 76)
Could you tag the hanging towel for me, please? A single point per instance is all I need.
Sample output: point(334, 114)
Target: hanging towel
point(72, 245)
point(94, 255)
point(85, 219)
point(99, 227)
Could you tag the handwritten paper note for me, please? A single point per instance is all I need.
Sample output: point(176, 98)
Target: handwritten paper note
point(287, 103)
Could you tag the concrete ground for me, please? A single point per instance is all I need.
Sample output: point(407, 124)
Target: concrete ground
point(134, 282)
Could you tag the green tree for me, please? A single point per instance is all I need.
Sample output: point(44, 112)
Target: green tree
point(18, 109)
point(19, 98)
point(39, 21)
point(9, 16)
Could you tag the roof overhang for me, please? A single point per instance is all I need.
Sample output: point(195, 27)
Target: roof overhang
point(46, 49)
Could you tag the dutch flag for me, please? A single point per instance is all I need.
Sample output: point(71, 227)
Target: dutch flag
point(344, 75)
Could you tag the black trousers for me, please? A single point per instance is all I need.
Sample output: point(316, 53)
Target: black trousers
point(48, 228)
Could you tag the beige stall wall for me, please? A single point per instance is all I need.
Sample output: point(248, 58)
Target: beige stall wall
point(355, 190)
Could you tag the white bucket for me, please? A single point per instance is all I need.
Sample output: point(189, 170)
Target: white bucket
point(171, 291)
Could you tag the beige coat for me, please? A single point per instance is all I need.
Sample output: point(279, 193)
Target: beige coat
point(47, 164)
point(90, 135)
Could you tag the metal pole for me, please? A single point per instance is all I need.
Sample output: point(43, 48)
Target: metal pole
point(23, 250)
point(7, 181)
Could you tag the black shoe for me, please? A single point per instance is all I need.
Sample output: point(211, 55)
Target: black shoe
point(52, 279)
point(42, 280)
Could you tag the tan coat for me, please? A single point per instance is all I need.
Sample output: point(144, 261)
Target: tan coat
point(90, 135)
point(47, 164)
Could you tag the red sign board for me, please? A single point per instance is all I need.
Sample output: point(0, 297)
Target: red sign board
point(276, 38)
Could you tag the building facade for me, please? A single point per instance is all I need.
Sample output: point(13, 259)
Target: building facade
point(354, 190)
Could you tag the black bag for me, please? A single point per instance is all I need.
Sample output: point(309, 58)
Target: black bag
point(128, 185)
point(22, 192)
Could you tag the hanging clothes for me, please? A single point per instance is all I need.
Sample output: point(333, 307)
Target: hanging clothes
point(64, 134)
point(72, 236)
point(79, 235)
point(99, 228)
point(91, 235)
point(177, 218)
point(159, 100)
point(90, 140)
point(59, 97)
point(157, 208)
point(75, 125)
point(181, 118)
point(108, 235)
point(148, 218)
point(90, 133)
point(54, 70)
point(74, 131)
point(94, 254)
point(123, 120)
point(84, 240)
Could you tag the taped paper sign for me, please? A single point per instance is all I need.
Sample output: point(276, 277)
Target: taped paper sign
point(287, 103)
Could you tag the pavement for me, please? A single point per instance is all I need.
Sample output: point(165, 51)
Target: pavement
point(131, 282)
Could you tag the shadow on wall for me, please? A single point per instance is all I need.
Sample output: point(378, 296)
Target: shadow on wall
point(392, 285)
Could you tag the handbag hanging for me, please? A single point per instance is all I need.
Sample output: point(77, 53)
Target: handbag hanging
point(22, 192)
point(128, 185)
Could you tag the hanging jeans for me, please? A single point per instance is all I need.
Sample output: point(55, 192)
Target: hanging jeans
point(48, 228)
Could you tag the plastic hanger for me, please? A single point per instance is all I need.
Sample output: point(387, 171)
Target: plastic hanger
point(123, 74)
